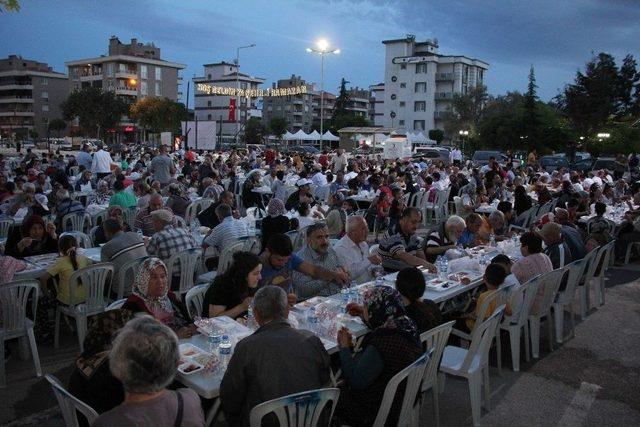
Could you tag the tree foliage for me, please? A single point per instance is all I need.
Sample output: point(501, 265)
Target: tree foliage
point(9, 6)
point(466, 111)
point(530, 118)
point(158, 114)
point(57, 126)
point(436, 135)
point(253, 131)
point(277, 126)
point(96, 110)
point(342, 101)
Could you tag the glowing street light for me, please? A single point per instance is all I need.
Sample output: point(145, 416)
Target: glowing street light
point(604, 135)
point(322, 48)
point(463, 134)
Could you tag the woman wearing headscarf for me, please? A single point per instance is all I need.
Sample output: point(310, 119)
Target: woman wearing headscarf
point(91, 380)
point(33, 238)
point(468, 193)
point(276, 222)
point(151, 295)
point(392, 345)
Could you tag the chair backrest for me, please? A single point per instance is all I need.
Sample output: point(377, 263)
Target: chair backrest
point(481, 339)
point(323, 192)
point(116, 305)
point(127, 273)
point(69, 404)
point(195, 299)
point(590, 264)
point(521, 299)
point(76, 222)
point(603, 258)
point(94, 279)
point(527, 217)
point(573, 271)
point(415, 200)
point(99, 218)
point(188, 262)
point(82, 240)
point(288, 191)
point(92, 233)
point(497, 298)
point(5, 225)
point(256, 212)
point(550, 283)
point(457, 202)
point(191, 212)
point(301, 239)
point(252, 244)
point(129, 216)
point(14, 297)
point(413, 374)
point(204, 204)
point(435, 339)
point(373, 250)
point(297, 410)
point(226, 257)
point(179, 221)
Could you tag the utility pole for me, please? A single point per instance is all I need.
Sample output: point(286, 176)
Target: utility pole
point(186, 136)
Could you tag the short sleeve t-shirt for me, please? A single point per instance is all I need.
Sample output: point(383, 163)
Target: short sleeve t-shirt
point(279, 276)
point(64, 269)
point(161, 166)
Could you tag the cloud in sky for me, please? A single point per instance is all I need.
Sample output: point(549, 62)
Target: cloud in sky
point(557, 37)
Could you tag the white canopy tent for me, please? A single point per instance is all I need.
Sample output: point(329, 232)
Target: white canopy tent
point(288, 136)
point(314, 136)
point(328, 136)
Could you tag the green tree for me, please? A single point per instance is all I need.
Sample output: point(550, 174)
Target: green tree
point(96, 110)
point(530, 119)
point(342, 101)
point(253, 131)
point(9, 6)
point(277, 127)
point(628, 88)
point(57, 126)
point(158, 114)
point(436, 135)
point(466, 111)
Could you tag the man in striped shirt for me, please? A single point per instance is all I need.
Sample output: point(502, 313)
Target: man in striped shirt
point(121, 247)
point(444, 237)
point(404, 247)
point(227, 232)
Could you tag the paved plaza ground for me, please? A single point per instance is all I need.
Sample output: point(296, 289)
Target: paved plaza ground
point(591, 380)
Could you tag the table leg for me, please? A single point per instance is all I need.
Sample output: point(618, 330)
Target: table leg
point(213, 413)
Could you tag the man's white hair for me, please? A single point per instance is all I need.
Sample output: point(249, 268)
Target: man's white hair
point(455, 221)
point(353, 222)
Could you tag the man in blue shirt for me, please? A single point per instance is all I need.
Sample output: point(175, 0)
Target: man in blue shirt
point(469, 237)
point(84, 158)
point(279, 262)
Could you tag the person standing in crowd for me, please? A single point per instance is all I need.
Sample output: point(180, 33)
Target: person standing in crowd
point(101, 163)
point(84, 157)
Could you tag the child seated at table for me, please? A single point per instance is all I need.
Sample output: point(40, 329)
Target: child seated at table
point(68, 263)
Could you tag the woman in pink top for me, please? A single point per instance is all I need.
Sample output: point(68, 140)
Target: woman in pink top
point(533, 264)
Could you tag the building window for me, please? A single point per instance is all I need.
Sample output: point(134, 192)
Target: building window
point(45, 108)
point(45, 81)
point(421, 87)
point(400, 122)
point(208, 116)
point(419, 106)
point(209, 76)
point(158, 73)
point(143, 88)
point(45, 95)
point(208, 103)
point(402, 103)
point(421, 68)
point(110, 69)
point(418, 125)
point(403, 85)
point(403, 66)
point(158, 88)
point(243, 86)
point(143, 72)
point(123, 68)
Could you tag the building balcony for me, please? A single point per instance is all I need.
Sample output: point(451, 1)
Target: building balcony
point(128, 74)
point(444, 95)
point(298, 102)
point(16, 100)
point(25, 113)
point(298, 113)
point(444, 77)
point(14, 86)
point(126, 91)
point(439, 115)
point(91, 77)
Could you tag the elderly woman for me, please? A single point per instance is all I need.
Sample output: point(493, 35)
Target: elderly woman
point(102, 194)
point(177, 201)
point(444, 237)
point(117, 213)
point(151, 295)
point(534, 262)
point(144, 358)
point(392, 345)
point(143, 191)
point(26, 199)
point(468, 194)
point(499, 225)
point(276, 222)
point(34, 238)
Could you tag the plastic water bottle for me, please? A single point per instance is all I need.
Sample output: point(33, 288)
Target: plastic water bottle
point(379, 277)
point(492, 240)
point(312, 320)
point(213, 340)
point(251, 321)
point(439, 266)
point(225, 352)
point(445, 265)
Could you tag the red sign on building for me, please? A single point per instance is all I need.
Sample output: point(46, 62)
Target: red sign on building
point(232, 110)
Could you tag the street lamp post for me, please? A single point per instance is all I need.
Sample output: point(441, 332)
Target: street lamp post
point(322, 48)
point(238, 86)
point(463, 134)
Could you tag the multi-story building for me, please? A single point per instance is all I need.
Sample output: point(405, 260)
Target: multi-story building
point(376, 104)
point(30, 97)
point(358, 103)
point(132, 71)
point(327, 108)
point(420, 83)
point(297, 110)
point(213, 104)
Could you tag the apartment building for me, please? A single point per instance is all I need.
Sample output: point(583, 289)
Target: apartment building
point(376, 104)
point(132, 71)
point(214, 91)
point(30, 97)
point(358, 103)
point(420, 83)
point(297, 110)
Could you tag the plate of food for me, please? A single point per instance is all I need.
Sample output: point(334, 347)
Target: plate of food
point(311, 302)
point(440, 285)
point(190, 350)
point(190, 367)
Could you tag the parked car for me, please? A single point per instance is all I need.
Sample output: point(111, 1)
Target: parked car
point(432, 153)
point(481, 158)
point(611, 164)
point(582, 165)
point(552, 163)
point(304, 149)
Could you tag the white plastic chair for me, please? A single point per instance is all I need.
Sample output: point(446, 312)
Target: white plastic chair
point(323, 193)
point(99, 218)
point(256, 212)
point(373, 250)
point(408, 413)
point(251, 244)
point(435, 339)
point(92, 233)
point(82, 239)
point(127, 273)
point(191, 212)
point(524, 294)
point(602, 261)
point(566, 297)
point(473, 364)
point(195, 299)
point(94, 278)
point(187, 262)
point(548, 284)
point(459, 207)
point(630, 247)
point(116, 305)
point(226, 257)
point(14, 298)
point(69, 404)
point(5, 226)
point(179, 222)
point(129, 217)
point(589, 267)
point(299, 409)
point(76, 222)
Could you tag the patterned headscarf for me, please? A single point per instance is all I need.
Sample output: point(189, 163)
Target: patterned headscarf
point(275, 207)
point(160, 307)
point(386, 311)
